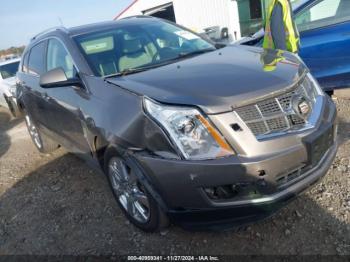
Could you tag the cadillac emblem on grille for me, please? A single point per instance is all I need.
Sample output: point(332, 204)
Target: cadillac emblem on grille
point(284, 113)
point(301, 106)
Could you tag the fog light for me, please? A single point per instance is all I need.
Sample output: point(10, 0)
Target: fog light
point(210, 191)
point(243, 190)
point(222, 192)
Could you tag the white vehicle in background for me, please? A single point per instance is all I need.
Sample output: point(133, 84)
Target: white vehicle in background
point(8, 70)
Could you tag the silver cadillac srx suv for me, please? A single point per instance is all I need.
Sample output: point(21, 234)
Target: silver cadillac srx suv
point(202, 135)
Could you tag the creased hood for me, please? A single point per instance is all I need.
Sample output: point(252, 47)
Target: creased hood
point(218, 81)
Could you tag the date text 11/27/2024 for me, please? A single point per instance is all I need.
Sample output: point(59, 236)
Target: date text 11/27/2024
point(173, 258)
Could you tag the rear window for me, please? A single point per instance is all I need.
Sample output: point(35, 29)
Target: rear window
point(36, 59)
point(9, 70)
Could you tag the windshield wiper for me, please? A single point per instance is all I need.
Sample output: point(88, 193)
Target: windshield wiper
point(128, 71)
point(198, 52)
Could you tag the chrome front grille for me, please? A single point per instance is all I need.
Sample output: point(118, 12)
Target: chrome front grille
point(273, 115)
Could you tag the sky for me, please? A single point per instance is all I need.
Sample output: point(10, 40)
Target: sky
point(22, 19)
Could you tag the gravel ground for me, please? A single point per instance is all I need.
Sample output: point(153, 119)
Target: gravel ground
point(55, 204)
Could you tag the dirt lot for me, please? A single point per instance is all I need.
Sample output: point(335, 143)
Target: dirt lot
point(54, 204)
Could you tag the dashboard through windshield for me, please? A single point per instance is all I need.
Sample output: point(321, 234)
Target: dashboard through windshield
point(133, 46)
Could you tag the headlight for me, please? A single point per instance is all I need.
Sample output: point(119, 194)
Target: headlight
point(12, 90)
point(191, 132)
point(312, 88)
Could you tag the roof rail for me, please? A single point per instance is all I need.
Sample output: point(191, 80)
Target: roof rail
point(137, 16)
point(48, 31)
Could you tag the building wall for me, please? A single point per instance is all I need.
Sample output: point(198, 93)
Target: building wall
point(141, 5)
point(199, 14)
point(196, 14)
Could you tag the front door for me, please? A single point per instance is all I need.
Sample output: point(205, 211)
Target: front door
point(67, 120)
point(34, 97)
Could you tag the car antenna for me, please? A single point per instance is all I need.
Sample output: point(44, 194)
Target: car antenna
point(60, 21)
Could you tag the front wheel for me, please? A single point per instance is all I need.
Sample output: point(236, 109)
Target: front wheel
point(43, 143)
point(133, 198)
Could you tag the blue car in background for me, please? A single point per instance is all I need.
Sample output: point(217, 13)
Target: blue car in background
point(324, 27)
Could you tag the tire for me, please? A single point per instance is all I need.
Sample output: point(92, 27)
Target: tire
point(43, 143)
point(143, 212)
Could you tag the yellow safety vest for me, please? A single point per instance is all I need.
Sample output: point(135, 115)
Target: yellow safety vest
point(292, 35)
point(270, 66)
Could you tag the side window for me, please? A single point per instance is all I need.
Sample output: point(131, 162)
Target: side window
point(36, 59)
point(323, 13)
point(25, 63)
point(58, 57)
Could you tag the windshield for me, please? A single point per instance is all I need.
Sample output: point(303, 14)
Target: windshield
point(9, 70)
point(136, 46)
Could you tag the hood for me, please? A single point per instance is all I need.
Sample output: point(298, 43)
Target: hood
point(217, 81)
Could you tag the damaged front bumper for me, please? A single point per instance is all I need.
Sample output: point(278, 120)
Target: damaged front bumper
point(244, 212)
point(259, 185)
point(205, 213)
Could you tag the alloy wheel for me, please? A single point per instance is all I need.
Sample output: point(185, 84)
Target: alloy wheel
point(33, 131)
point(128, 190)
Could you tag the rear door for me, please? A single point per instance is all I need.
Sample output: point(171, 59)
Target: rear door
point(325, 39)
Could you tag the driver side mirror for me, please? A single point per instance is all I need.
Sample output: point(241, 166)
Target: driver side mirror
point(57, 78)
